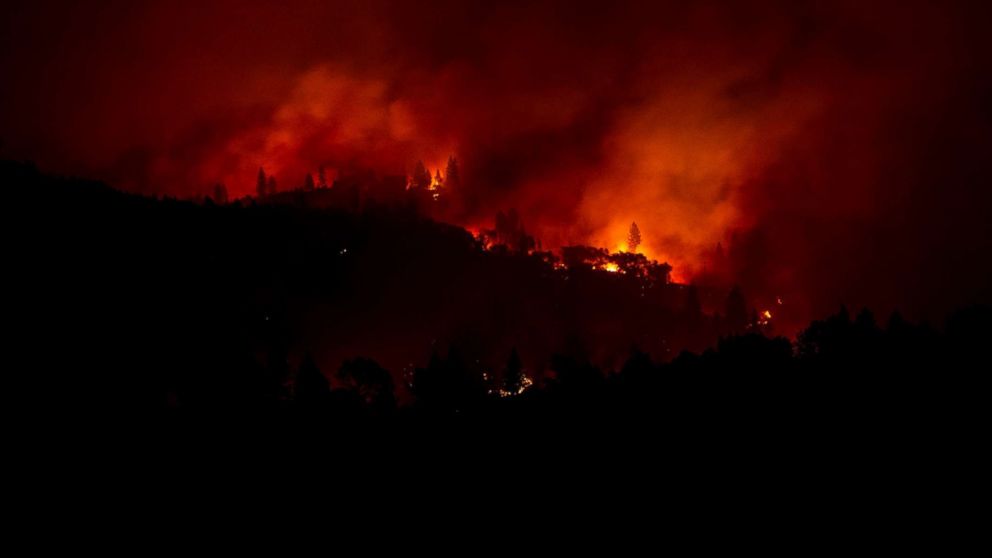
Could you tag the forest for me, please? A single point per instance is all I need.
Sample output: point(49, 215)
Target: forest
point(181, 309)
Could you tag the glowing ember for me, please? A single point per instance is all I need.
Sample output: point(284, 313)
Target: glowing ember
point(525, 382)
point(764, 318)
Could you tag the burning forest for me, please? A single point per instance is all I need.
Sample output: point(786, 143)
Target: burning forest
point(693, 217)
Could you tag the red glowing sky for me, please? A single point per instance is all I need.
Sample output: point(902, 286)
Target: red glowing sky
point(841, 148)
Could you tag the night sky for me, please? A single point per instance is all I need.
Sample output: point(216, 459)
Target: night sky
point(839, 151)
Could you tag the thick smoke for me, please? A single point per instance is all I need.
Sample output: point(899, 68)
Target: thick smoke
point(835, 150)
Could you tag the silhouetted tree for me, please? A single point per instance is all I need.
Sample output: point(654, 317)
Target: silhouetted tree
point(579, 257)
point(308, 184)
point(220, 194)
point(754, 352)
point(452, 180)
point(736, 310)
point(261, 188)
point(448, 385)
point(372, 383)
point(638, 371)
point(513, 224)
point(660, 272)
point(312, 388)
point(513, 374)
point(421, 178)
point(829, 339)
point(865, 321)
point(693, 308)
point(271, 186)
point(510, 232)
point(321, 177)
point(633, 238)
point(896, 323)
point(575, 374)
point(630, 263)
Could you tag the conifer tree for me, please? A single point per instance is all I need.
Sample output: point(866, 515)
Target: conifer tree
point(633, 238)
point(452, 180)
point(321, 177)
point(220, 194)
point(260, 185)
point(421, 177)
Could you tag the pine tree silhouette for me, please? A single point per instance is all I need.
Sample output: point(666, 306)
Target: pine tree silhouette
point(452, 180)
point(321, 177)
point(633, 238)
point(421, 177)
point(736, 310)
point(220, 194)
point(260, 186)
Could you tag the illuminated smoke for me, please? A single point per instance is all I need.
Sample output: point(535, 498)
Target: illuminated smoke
point(833, 149)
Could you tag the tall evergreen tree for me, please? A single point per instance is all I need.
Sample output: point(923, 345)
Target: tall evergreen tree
point(693, 308)
point(736, 310)
point(371, 382)
point(452, 180)
point(308, 185)
point(321, 177)
point(633, 238)
point(421, 178)
point(260, 185)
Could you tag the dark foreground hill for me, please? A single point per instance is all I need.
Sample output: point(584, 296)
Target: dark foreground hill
point(127, 305)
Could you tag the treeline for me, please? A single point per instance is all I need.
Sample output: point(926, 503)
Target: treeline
point(841, 369)
point(122, 302)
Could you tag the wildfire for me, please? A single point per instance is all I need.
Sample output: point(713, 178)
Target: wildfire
point(525, 382)
point(611, 267)
point(764, 318)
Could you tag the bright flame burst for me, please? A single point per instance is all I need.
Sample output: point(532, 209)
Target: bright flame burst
point(611, 267)
point(525, 382)
point(764, 318)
